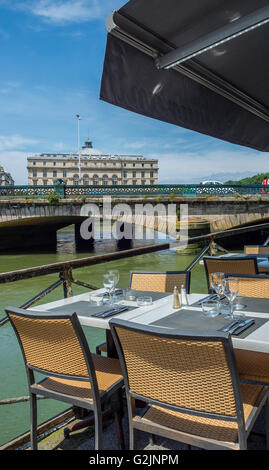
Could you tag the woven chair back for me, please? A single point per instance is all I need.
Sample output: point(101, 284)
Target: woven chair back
point(50, 344)
point(187, 373)
point(229, 265)
point(158, 282)
point(252, 286)
point(256, 250)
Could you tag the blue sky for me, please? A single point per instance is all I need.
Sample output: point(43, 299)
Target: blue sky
point(51, 61)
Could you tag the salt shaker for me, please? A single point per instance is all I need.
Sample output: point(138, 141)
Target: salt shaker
point(183, 296)
point(176, 303)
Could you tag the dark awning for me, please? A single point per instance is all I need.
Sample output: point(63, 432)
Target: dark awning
point(201, 65)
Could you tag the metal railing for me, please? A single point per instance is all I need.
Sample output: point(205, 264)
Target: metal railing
point(65, 269)
point(166, 190)
point(65, 272)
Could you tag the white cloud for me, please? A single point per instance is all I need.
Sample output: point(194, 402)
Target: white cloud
point(67, 11)
point(15, 142)
point(13, 157)
point(15, 162)
point(193, 167)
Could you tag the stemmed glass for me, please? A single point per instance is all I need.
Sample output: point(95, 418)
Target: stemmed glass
point(115, 275)
point(217, 280)
point(109, 285)
point(230, 290)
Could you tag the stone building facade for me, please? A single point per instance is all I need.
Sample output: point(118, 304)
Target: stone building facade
point(5, 178)
point(90, 167)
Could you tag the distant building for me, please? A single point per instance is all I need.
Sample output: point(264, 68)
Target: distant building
point(95, 168)
point(5, 178)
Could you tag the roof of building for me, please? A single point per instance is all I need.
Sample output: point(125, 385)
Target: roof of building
point(88, 152)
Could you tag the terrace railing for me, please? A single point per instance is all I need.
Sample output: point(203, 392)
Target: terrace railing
point(65, 268)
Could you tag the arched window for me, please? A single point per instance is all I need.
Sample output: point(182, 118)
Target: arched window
point(75, 180)
point(95, 180)
point(114, 180)
point(86, 180)
point(105, 180)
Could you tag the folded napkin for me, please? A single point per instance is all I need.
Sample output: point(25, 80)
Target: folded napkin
point(242, 328)
point(109, 312)
point(237, 326)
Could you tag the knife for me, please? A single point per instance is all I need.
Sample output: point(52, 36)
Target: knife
point(110, 312)
point(241, 326)
point(114, 312)
point(230, 325)
point(209, 297)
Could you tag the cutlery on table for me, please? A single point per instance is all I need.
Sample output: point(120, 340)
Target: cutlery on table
point(110, 312)
point(210, 297)
point(230, 325)
point(242, 326)
point(205, 299)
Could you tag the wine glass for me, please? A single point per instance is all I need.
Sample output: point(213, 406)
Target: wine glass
point(230, 290)
point(108, 285)
point(114, 273)
point(217, 280)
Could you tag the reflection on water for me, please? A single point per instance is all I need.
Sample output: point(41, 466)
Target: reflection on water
point(66, 242)
point(14, 419)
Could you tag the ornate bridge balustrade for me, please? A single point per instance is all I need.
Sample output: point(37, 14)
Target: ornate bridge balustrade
point(25, 191)
point(180, 190)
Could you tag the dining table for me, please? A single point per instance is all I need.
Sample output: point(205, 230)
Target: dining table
point(251, 346)
point(252, 341)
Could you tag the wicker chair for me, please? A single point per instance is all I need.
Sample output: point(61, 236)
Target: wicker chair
point(255, 285)
point(154, 281)
point(252, 365)
point(238, 265)
point(262, 251)
point(159, 281)
point(191, 384)
point(55, 345)
point(256, 250)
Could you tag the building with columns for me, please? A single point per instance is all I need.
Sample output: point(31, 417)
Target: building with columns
point(90, 167)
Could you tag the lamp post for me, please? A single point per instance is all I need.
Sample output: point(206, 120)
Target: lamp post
point(79, 152)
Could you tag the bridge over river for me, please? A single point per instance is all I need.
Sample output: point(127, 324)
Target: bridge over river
point(29, 223)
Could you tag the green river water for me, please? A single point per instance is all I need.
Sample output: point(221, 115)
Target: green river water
point(14, 418)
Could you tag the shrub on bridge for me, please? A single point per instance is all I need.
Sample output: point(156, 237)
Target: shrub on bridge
point(53, 197)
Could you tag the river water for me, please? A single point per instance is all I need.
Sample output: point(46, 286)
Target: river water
point(14, 418)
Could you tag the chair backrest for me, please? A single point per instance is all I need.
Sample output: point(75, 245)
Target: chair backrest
point(52, 344)
point(251, 285)
point(183, 371)
point(163, 281)
point(238, 265)
point(256, 250)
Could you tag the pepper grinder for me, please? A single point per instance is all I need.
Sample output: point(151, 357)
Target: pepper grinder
point(176, 298)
